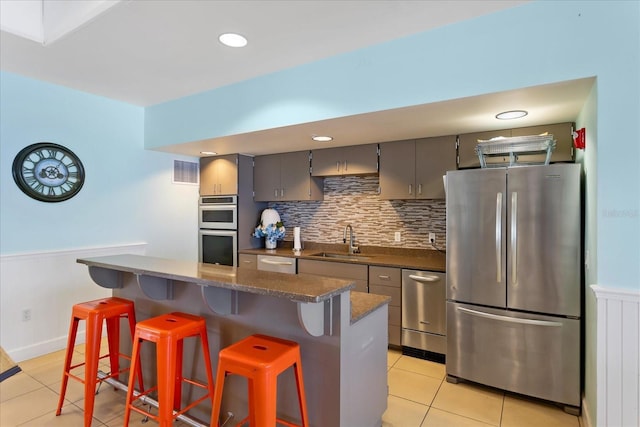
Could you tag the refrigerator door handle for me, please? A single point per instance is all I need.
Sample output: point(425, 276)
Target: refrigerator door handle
point(509, 319)
point(514, 237)
point(424, 278)
point(499, 237)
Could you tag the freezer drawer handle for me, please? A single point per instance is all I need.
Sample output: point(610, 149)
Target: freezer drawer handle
point(499, 237)
point(509, 319)
point(424, 278)
point(424, 322)
point(268, 261)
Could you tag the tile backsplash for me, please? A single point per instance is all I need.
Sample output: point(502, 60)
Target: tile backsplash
point(354, 200)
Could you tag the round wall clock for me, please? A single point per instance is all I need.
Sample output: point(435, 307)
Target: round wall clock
point(48, 172)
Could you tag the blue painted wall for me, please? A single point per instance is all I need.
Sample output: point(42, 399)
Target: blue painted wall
point(537, 43)
point(127, 197)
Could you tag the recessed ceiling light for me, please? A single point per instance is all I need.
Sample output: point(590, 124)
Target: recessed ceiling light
point(321, 138)
point(232, 40)
point(208, 153)
point(511, 114)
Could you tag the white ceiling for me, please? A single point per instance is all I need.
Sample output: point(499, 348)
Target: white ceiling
point(146, 52)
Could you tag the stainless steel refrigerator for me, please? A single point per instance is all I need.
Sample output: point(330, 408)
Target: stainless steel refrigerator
point(514, 280)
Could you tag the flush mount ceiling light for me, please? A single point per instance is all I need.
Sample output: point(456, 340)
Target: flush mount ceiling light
point(511, 114)
point(232, 40)
point(321, 138)
point(208, 153)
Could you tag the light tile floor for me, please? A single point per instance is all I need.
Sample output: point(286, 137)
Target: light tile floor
point(419, 396)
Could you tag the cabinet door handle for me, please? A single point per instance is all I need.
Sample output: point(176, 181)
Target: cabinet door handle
point(410, 188)
point(282, 192)
point(419, 188)
point(275, 193)
point(345, 165)
point(383, 277)
point(338, 166)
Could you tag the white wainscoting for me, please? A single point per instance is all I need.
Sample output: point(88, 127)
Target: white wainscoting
point(618, 353)
point(46, 284)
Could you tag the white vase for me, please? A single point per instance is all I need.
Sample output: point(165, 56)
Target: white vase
point(270, 245)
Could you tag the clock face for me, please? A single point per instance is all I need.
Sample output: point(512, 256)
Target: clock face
point(48, 172)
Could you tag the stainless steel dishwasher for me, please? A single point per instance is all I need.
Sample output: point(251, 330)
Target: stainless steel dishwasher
point(424, 317)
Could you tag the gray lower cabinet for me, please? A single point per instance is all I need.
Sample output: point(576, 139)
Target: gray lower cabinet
point(356, 272)
point(248, 261)
point(285, 177)
point(387, 281)
point(413, 169)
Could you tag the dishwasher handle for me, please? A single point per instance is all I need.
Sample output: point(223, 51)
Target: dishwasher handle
point(424, 279)
point(272, 262)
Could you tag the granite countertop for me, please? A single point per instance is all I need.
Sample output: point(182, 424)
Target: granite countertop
point(415, 259)
point(363, 304)
point(297, 288)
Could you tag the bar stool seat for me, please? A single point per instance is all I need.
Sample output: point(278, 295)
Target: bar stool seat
point(95, 313)
point(168, 333)
point(261, 359)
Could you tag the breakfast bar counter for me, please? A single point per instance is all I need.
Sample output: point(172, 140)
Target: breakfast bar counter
point(342, 334)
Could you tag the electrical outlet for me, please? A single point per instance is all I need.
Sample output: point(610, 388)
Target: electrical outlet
point(397, 236)
point(432, 238)
point(26, 315)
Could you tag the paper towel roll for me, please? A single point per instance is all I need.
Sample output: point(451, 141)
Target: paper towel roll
point(296, 239)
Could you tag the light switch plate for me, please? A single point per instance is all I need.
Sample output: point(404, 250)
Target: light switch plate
point(397, 236)
point(432, 237)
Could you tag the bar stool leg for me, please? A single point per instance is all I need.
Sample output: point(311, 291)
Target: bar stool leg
point(113, 338)
point(92, 355)
point(217, 395)
point(302, 398)
point(206, 354)
point(71, 342)
point(177, 392)
point(265, 400)
point(166, 374)
point(135, 364)
point(132, 328)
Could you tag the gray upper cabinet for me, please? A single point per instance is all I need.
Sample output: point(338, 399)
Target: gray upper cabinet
point(219, 175)
point(562, 133)
point(414, 169)
point(285, 177)
point(467, 156)
point(353, 160)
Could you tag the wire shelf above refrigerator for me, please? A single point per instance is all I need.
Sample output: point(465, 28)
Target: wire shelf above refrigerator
point(514, 147)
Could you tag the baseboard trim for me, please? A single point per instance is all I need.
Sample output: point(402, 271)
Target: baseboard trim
point(44, 347)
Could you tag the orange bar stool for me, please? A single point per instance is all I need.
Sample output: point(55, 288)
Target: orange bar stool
point(168, 333)
point(95, 313)
point(261, 359)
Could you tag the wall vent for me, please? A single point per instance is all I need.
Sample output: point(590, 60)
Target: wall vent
point(185, 172)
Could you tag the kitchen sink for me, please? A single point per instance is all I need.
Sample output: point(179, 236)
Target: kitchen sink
point(353, 257)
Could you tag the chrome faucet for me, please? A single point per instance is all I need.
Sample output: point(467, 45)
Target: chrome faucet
point(353, 249)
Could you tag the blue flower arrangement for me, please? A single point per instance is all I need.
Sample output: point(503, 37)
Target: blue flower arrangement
point(272, 232)
point(270, 227)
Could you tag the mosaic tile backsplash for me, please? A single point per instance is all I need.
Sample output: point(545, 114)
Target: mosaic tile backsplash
point(354, 200)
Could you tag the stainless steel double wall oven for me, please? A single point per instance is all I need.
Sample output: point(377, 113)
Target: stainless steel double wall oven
point(218, 230)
